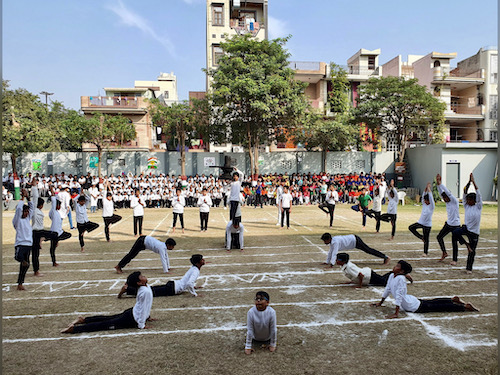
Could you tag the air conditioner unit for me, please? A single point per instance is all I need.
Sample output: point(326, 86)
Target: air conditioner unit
point(238, 149)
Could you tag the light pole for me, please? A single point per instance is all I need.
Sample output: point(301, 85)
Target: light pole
point(46, 96)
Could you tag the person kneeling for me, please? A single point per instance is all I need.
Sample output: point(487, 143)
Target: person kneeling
point(135, 317)
point(396, 285)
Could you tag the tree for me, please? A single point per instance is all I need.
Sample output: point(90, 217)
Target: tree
point(204, 125)
point(396, 105)
point(26, 124)
point(334, 132)
point(254, 96)
point(103, 130)
point(176, 121)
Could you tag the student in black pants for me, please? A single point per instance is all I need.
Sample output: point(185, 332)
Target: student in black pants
point(135, 317)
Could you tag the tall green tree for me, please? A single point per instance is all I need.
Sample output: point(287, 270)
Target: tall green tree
point(176, 121)
point(26, 124)
point(394, 105)
point(335, 131)
point(253, 93)
point(102, 131)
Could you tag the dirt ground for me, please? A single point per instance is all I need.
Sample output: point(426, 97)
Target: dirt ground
point(324, 325)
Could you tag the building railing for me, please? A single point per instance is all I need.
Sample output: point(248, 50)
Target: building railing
point(466, 109)
point(443, 73)
point(113, 101)
point(369, 70)
point(304, 65)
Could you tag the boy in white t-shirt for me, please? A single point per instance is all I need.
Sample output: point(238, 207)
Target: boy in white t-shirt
point(261, 325)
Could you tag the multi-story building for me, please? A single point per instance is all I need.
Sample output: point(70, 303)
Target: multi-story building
point(469, 90)
point(132, 102)
point(226, 18)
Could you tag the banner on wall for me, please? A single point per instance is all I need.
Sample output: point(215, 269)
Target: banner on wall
point(94, 160)
point(153, 162)
point(37, 164)
point(209, 162)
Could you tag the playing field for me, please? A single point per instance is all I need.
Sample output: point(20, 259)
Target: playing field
point(324, 326)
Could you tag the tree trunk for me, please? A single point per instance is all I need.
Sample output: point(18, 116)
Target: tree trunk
point(250, 150)
point(256, 161)
point(99, 156)
point(13, 158)
point(181, 148)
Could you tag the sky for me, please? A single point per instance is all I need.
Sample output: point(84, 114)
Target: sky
point(76, 48)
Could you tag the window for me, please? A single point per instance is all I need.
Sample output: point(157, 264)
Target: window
point(437, 64)
point(217, 15)
point(336, 164)
point(371, 62)
point(493, 135)
point(286, 164)
point(391, 142)
point(493, 107)
point(359, 164)
point(165, 94)
point(216, 54)
point(121, 162)
point(494, 69)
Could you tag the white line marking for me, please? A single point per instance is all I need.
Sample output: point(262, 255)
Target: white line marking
point(165, 218)
point(313, 244)
point(206, 308)
point(211, 330)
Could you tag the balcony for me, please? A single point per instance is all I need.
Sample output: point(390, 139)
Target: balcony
point(113, 104)
point(457, 78)
point(244, 26)
point(361, 72)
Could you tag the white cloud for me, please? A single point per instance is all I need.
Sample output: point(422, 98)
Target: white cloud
point(277, 28)
point(129, 18)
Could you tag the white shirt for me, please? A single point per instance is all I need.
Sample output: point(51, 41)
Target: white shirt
point(286, 200)
point(135, 203)
point(377, 202)
point(108, 207)
point(472, 218)
point(452, 207)
point(230, 229)
point(338, 243)
point(332, 197)
point(178, 203)
point(427, 211)
point(397, 287)
point(234, 194)
point(64, 197)
point(204, 202)
point(80, 212)
point(188, 281)
point(38, 216)
point(142, 307)
point(261, 326)
point(158, 247)
point(55, 216)
point(24, 231)
point(351, 271)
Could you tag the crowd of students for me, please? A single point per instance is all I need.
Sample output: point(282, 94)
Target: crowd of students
point(261, 319)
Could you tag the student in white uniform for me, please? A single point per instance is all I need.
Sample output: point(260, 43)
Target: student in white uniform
point(362, 276)
point(234, 193)
point(348, 242)
point(376, 210)
point(150, 243)
point(135, 317)
point(178, 204)
point(261, 325)
point(286, 207)
point(453, 217)
point(108, 214)
point(204, 203)
point(24, 236)
point(425, 221)
point(473, 205)
point(65, 210)
point(137, 203)
point(331, 198)
point(234, 234)
point(396, 285)
point(279, 193)
point(82, 220)
point(173, 287)
point(56, 227)
point(392, 209)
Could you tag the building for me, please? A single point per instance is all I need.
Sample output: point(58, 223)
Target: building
point(132, 102)
point(469, 90)
point(226, 18)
